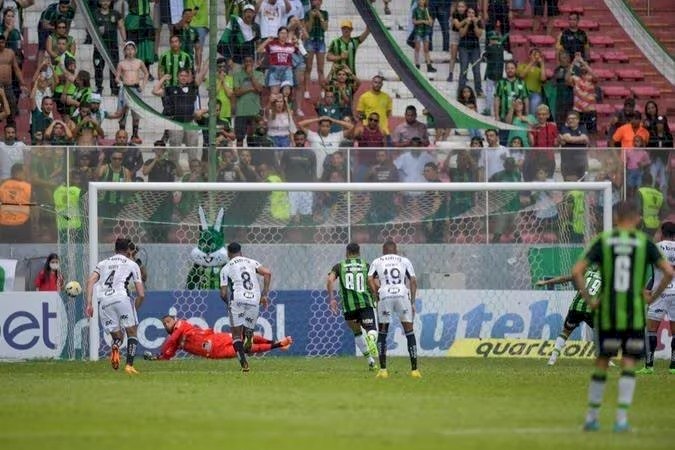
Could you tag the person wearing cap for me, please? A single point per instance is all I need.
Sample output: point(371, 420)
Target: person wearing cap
point(108, 21)
point(342, 50)
point(374, 100)
point(240, 36)
point(270, 15)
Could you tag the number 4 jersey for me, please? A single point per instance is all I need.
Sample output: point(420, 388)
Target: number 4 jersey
point(392, 271)
point(114, 275)
point(240, 276)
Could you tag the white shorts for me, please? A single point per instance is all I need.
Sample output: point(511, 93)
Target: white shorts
point(394, 305)
point(244, 314)
point(665, 304)
point(116, 313)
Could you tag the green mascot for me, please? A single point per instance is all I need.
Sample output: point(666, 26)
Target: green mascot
point(209, 256)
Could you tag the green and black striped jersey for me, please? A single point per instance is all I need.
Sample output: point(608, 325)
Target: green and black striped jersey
point(353, 276)
point(623, 257)
point(593, 284)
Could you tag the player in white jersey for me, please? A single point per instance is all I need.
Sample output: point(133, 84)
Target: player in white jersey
point(665, 304)
point(117, 310)
point(240, 276)
point(392, 280)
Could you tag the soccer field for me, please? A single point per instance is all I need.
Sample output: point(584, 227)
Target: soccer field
point(322, 403)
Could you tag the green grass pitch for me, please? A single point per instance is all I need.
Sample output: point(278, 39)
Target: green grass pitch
point(322, 403)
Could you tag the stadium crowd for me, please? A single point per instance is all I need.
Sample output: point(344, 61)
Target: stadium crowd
point(267, 55)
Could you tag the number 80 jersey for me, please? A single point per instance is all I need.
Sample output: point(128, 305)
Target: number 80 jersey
point(240, 276)
point(392, 271)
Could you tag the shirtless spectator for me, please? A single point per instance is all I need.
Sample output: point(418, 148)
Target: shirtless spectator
point(132, 74)
point(87, 131)
point(9, 66)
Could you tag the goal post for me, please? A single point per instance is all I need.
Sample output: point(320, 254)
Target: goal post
point(341, 225)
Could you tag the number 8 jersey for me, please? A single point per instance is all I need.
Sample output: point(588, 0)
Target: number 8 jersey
point(240, 276)
point(392, 271)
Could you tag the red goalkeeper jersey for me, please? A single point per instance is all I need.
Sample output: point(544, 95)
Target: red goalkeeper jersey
point(194, 340)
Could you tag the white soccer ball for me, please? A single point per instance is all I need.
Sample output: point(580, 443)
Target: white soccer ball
point(73, 289)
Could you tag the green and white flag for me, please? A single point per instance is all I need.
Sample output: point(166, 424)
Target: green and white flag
point(7, 271)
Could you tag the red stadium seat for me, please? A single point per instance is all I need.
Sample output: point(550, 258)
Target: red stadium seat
point(615, 56)
point(630, 74)
point(600, 40)
point(605, 109)
point(604, 74)
point(549, 55)
point(517, 39)
point(566, 9)
point(541, 40)
point(591, 25)
point(594, 56)
point(522, 24)
point(615, 91)
point(645, 91)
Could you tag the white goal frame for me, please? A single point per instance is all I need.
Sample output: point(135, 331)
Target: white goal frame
point(95, 187)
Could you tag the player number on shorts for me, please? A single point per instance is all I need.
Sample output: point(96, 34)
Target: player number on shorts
point(622, 271)
point(392, 277)
point(355, 282)
point(246, 281)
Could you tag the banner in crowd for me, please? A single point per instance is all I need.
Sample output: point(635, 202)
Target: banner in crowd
point(7, 271)
point(486, 323)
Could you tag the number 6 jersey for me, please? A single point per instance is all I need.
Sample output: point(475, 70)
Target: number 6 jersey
point(392, 270)
point(240, 276)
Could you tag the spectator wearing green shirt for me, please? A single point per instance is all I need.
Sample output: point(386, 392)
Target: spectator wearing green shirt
point(316, 23)
point(200, 23)
point(173, 61)
point(342, 50)
point(422, 27)
point(189, 37)
point(248, 87)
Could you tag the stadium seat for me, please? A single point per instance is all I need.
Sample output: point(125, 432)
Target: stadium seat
point(522, 24)
point(541, 40)
point(549, 55)
point(584, 24)
point(645, 91)
point(566, 9)
point(605, 109)
point(600, 40)
point(615, 56)
point(604, 74)
point(517, 39)
point(594, 56)
point(630, 74)
point(615, 91)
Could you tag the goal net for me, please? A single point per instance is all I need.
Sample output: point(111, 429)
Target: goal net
point(477, 249)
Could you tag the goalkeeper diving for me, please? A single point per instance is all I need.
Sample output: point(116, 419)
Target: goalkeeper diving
point(206, 342)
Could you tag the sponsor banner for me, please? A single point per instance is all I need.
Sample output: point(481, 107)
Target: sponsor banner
point(518, 348)
point(32, 325)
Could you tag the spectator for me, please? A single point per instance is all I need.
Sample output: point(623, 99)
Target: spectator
point(422, 29)
point(316, 21)
point(323, 142)
point(624, 135)
point(189, 36)
point(9, 29)
point(374, 100)
point(494, 68)
point(432, 206)
point(506, 209)
point(493, 157)
point(651, 203)
point(132, 158)
point(329, 205)
point(584, 95)
point(465, 171)
point(200, 23)
point(17, 6)
point(141, 31)
point(652, 117)
point(562, 99)
point(248, 88)
point(41, 105)
point(132, 74)
point(160, 169)
point(661, 140)
point(329, 107)
point(224, 90)
point(518, 117)
point(61, 10)
point(46, 166)
point(382, 170)
point(280, 122)
point(343, 84)
point(543, 137)
point(50, 277)
point(88, 131)
point(297, 35)
point(457, 15)
point(508, 89)
point(9, 67)
point(173, 61)
point(573, 137)
point(162, 15)
point(573, 40)
point(11, 152)
point(410, 164)
point(496, 16)
point(342, 50)
point(261, 145)
point(109, 22)
point(299, 166)
point(440, 11)
point(77, 92)
point(637, 160)
point(534, 75)
point(279, 53)
point(271, 15)
point(405, 132)
point(112, 202)
point(470, 31)
point(246, 170)
point(59, 133)
point(623, 116)
point(369, 136)
point(226, 166)
point(240, 37)
point(336, 162)
point(14, 219)
point(85, 168)
point(542, 10)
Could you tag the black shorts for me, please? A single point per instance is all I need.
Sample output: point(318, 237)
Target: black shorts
point(365, 316)
point(551, 5)
point(243, 126)
point(574, 319)
point(631, 343)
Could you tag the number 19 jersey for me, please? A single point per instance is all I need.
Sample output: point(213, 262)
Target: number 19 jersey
point(392, 271)
point(240, 276)
point(115, 273)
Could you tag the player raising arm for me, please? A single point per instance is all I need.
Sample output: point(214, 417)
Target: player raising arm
point(664, 304)
point(240, 275)
point(387, 278)
point(207, 343)
point(579, 310)
point(357, 301)
point(622, 255)
point(116, 308)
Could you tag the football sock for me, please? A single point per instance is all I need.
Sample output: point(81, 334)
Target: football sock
point(560, 342)
point(626, 391)
point(672, 353)
point(596, 391)
point(134, 130)
point(412, 349)
point(382, 349)
point(649, 358)
point(239, 348)
point(132, 343)
point(360, 340)
point(117, 342)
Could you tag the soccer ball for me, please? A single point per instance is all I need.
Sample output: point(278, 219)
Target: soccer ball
point(73, 289)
